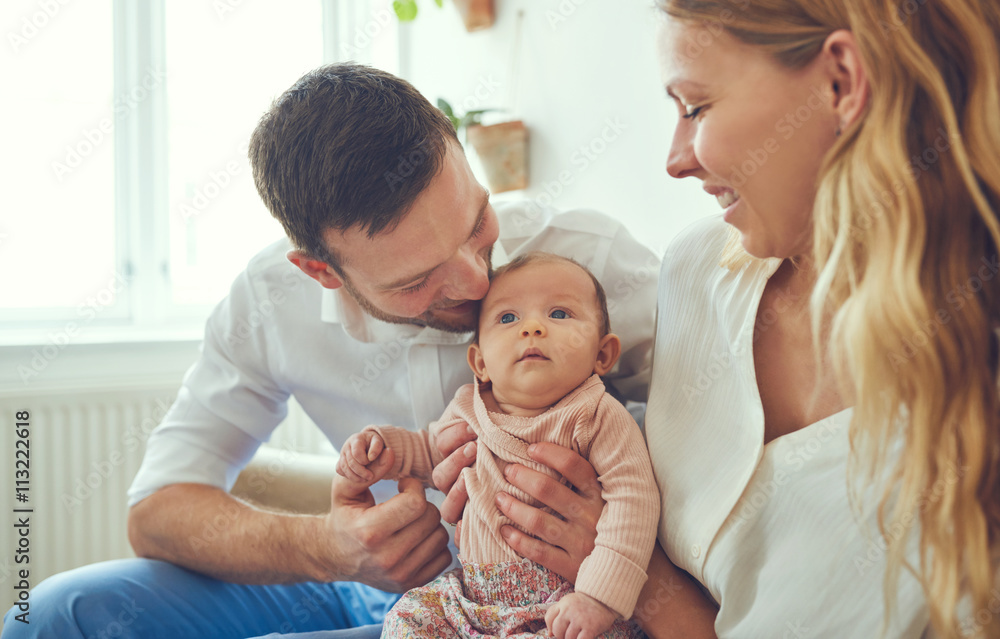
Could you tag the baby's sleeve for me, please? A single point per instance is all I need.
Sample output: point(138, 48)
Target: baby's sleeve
point(615, 572)
point(416, 452)
point(412, 451)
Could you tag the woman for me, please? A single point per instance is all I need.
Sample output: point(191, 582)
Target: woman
point(824, 403)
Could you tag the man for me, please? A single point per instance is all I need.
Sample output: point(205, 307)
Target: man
point(385, 217)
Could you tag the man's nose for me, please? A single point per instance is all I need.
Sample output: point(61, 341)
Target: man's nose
point(470, 279)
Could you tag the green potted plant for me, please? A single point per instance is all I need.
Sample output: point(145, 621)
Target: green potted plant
point(502, 148)
point(476, 14)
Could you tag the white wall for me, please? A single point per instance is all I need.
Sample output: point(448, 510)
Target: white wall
point(581, 65)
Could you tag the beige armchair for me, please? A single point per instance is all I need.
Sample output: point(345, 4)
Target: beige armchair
point(287, 481)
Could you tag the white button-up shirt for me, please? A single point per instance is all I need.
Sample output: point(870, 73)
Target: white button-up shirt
point(279, 333)
point(767, 529)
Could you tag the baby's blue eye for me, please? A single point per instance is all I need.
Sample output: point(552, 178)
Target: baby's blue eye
point(507, 318)
point(558, 314)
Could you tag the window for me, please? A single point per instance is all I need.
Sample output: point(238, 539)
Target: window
point(224, 71)
point(58, 230)
point(134, 205)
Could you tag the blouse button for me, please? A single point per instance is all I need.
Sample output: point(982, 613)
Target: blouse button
point(696, 551)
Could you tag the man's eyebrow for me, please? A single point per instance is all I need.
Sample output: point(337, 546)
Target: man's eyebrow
point(411, 279)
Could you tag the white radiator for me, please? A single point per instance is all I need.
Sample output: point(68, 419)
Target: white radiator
point(85, 448)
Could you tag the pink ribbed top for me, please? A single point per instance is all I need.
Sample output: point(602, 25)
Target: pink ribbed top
point(592, 423)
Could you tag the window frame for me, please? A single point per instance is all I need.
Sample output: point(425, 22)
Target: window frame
point(144, 311)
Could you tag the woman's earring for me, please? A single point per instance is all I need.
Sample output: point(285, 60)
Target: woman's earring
point(840, 129)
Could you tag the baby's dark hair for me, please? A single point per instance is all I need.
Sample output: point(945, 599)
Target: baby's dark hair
point(533, 257)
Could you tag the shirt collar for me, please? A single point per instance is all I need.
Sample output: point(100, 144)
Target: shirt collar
point(338, 307)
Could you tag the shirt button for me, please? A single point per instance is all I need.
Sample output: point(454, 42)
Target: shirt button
point(696, 551)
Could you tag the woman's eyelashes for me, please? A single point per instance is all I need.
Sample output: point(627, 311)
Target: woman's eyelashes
point(693, 113)
point(685, 106)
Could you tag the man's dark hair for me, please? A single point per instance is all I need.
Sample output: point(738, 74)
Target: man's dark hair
point(532, 257)
point(346, 146)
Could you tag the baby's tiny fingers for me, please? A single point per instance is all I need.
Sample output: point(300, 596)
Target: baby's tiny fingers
point(357, 447)
point(555, 625)
point(375, 447)
point(359, 469)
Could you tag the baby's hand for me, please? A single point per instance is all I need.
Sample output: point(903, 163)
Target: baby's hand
point(360, 450)
point(579, 616)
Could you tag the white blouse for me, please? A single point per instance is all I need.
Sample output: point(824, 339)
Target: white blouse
point(767, 529)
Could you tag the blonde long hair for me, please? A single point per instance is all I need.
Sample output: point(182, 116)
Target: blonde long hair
point(905, 244)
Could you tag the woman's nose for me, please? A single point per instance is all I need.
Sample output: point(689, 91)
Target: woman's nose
point(681, 161)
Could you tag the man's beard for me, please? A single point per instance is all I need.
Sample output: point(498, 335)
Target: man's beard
point(429, 318)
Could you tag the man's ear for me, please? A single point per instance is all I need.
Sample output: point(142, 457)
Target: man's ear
point(319, 271)
point(477, 364)
point(848, 76)
point(608, 351)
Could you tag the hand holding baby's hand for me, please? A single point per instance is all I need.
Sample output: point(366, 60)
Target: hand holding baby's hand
point(579, 616)
point(360, 450)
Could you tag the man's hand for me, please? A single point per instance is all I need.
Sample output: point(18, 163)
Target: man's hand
point(579, 616)
point(393, 546)
point(357, 453)
point(560, 545)
point(457, 444)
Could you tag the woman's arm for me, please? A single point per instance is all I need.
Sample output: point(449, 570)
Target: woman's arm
point(671, 604)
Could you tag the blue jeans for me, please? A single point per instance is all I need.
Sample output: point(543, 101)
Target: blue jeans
point(146, 599)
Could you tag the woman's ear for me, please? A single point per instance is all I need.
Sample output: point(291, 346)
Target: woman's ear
point(847, 76)
point(477, 364)
point(608, 351)
point(319, 271)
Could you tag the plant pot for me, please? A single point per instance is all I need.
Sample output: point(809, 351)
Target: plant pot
point(476, 14)
point(503, 150)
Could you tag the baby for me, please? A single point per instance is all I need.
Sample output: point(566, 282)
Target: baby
point(543, 341)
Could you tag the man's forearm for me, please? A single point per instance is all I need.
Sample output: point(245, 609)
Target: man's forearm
point(207, 530)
